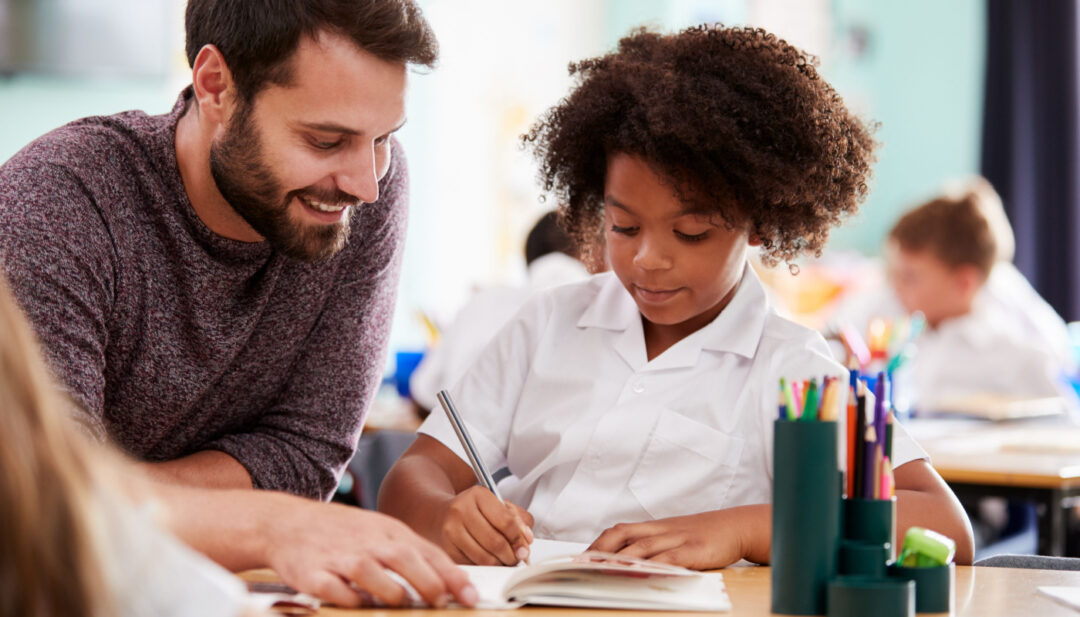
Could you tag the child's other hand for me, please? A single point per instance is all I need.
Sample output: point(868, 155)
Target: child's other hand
point(478, 528)
point(703, 541)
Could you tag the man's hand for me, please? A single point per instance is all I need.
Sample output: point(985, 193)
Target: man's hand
point(479, 529)
point(338, 553)
point(703, 541)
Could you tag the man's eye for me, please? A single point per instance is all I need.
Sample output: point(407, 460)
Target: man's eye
point(325, 145)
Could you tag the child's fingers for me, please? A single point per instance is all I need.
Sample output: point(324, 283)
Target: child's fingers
point(505, 533)
point(615, 538)
point(649, 546)
point(491, 540)
point(463, 539)
point(526, 519)
point(679, 556)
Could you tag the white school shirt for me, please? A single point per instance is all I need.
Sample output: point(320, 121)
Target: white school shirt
point(595, 434)
point(478, 321)
point(978, 353)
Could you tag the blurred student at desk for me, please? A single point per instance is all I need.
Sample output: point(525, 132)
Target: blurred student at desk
point(989, 334)
point(549, 257)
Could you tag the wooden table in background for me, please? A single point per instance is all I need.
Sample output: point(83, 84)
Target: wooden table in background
point(980, 592)
point(1030, 460)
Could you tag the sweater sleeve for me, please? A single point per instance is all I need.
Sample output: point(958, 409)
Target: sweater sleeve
point(303, 443)
point(56, 252)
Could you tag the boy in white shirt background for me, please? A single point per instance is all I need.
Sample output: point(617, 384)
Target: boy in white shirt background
point(635, 409)
point(988, 331)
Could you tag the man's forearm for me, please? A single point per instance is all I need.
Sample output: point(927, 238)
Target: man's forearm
point(206, 469)
point(228, 526)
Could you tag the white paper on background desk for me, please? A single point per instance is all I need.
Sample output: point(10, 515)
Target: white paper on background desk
point(1069, 596)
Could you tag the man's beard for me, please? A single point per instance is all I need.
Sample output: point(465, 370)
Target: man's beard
point(250, 187)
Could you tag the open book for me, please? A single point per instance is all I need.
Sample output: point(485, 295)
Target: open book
point(560, 575)
point(600, 580)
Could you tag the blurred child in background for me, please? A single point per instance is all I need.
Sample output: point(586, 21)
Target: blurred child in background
point(73, 543)
point(549, 257)
point(983, 337)
point(988, 332)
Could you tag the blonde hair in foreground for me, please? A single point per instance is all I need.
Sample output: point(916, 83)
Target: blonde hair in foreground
point(49, 563)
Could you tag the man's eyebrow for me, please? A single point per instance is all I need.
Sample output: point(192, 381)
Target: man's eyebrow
point(333, 127)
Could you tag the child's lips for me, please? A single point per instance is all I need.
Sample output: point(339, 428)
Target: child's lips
point(654, 295)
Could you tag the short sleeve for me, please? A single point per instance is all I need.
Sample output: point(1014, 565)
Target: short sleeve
point(487, 395)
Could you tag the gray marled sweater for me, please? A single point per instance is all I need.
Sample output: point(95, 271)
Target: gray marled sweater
point(174, 339)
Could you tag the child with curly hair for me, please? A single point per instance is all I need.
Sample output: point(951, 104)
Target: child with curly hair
point(635, 410)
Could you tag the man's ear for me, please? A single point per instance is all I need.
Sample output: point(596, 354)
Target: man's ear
point(214, 88)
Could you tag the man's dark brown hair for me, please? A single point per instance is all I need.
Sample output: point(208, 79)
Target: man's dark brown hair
point(258, 37)
point(953, 230)
point(739, 122)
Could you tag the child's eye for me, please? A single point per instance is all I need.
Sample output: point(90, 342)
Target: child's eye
point(692, 237)
point(626, 231)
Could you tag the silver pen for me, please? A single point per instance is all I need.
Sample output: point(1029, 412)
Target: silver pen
point(470, 449)
point(466, 442)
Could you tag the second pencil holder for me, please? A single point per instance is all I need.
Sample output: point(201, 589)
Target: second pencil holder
point(869, 532)
point(863, 558)
point(934, 586)
point(805, 515)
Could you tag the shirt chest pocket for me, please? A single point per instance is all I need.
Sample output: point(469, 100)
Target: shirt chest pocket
point(688, 467)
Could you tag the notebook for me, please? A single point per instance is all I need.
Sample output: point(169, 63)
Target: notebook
point(560, 574)
point(600, 580)
point(1069, 596)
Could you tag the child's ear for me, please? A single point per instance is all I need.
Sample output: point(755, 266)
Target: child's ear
point(969, 280)
point(753, 239)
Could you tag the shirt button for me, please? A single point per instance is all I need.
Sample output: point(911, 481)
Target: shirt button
point(638, 387)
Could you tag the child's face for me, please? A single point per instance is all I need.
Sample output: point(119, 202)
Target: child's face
point(680, 268)
point(923, 282)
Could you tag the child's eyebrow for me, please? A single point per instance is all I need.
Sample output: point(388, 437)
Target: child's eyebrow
point(685, 211)
point(608, 199)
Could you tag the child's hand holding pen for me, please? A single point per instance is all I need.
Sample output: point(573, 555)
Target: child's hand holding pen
point(479, 528)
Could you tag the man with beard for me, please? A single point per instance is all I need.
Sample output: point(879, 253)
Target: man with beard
point(213, 287)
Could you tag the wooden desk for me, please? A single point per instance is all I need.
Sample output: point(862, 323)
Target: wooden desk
point(980, 592)
point(1029, 460)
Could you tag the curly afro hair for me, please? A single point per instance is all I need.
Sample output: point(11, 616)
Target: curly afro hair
point(738, 121)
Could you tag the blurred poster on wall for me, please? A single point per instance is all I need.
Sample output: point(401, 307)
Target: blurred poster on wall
point(87, 37)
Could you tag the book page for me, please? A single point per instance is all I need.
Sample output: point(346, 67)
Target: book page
point(542, 549)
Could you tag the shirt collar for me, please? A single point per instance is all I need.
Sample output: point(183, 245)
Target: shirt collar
point(737, 329)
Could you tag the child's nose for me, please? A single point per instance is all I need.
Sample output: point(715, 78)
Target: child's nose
point(651, 255)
